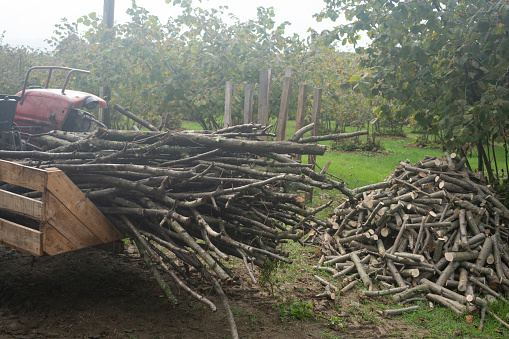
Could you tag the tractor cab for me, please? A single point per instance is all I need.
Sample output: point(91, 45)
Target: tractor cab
point(42, 109)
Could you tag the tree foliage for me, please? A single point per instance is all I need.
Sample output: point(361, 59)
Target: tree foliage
point(180, 67)
point(14, 63)
point(442, 63)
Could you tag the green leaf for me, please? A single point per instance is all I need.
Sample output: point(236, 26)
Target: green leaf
point(503, 47)
point(483, 26)
point(355, 78)
point(420, 56)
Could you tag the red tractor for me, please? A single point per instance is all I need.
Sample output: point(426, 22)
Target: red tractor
point(36, 111)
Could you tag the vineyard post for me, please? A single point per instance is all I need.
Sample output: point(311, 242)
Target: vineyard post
point(264, 97)
point(317, 104)
point(285, 104)
point(105, 91)
point(301, 110)
point(228, 104)
point(248, 103)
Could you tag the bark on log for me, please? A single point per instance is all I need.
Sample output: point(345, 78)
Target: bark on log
point(384, 292)
point(233, 145)
point(400, 310)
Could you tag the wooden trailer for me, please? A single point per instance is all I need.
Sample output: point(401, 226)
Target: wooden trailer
point(62, 220)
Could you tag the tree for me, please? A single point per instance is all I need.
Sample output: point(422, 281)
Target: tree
point(179, 67)
point(438, 62)
point(15, 61)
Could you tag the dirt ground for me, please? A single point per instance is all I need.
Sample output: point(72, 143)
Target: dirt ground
point(95, 294)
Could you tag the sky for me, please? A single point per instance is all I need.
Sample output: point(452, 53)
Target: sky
point(30, 22)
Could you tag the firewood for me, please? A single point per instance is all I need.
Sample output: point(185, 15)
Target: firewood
point(399, 311)
point(434, 223)
point(360, 269)
point(453, 305)
point(496, 255)
point(407, 294)
point(461, 256)
point(337, 259)
point(384, 292)
point(395, 273)
point(447, 272)
point(463, 280)
point(348, 287)
point(327, 293)
point(325, 283)
point(486, 288)
point(477, 268)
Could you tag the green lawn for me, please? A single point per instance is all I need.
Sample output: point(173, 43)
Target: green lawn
point(363, 168)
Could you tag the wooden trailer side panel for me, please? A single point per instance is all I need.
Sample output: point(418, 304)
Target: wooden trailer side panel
point(68, 220)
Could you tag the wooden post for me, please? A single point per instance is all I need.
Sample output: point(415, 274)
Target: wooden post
point(301, 111)
point(301, 107)
point(228, 104)
point(264, 97)
point(248, 103)
point(317, 104)
point(288, 72)
point(104, 91)
point(105, 113)
point(285, 104)
point(109, 13)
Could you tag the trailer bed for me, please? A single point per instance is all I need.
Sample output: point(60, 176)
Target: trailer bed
point(62, 220)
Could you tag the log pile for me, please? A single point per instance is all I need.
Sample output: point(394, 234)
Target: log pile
point(202, 197)
point(432, 229)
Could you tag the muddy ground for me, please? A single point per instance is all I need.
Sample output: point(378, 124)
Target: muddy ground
point(95, 294)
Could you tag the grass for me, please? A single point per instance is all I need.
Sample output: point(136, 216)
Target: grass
point(443, 323)
point(191, 125)
point(360, 169)
point(296, 310)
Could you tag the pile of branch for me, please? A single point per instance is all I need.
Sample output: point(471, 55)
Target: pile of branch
point(201, 196)
point(434, 229)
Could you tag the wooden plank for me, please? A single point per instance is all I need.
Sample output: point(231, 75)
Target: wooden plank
point(248, 103)
point(228, 95)
point(81, 207)
point(20, 237)
point(66, 223)
point(264, 97)
point(24, 176)
point(283, 108)
point(19, 204)
point(54, 242)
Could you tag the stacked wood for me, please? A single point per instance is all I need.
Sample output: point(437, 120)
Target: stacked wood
point(201, 196)
point(433, 228)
